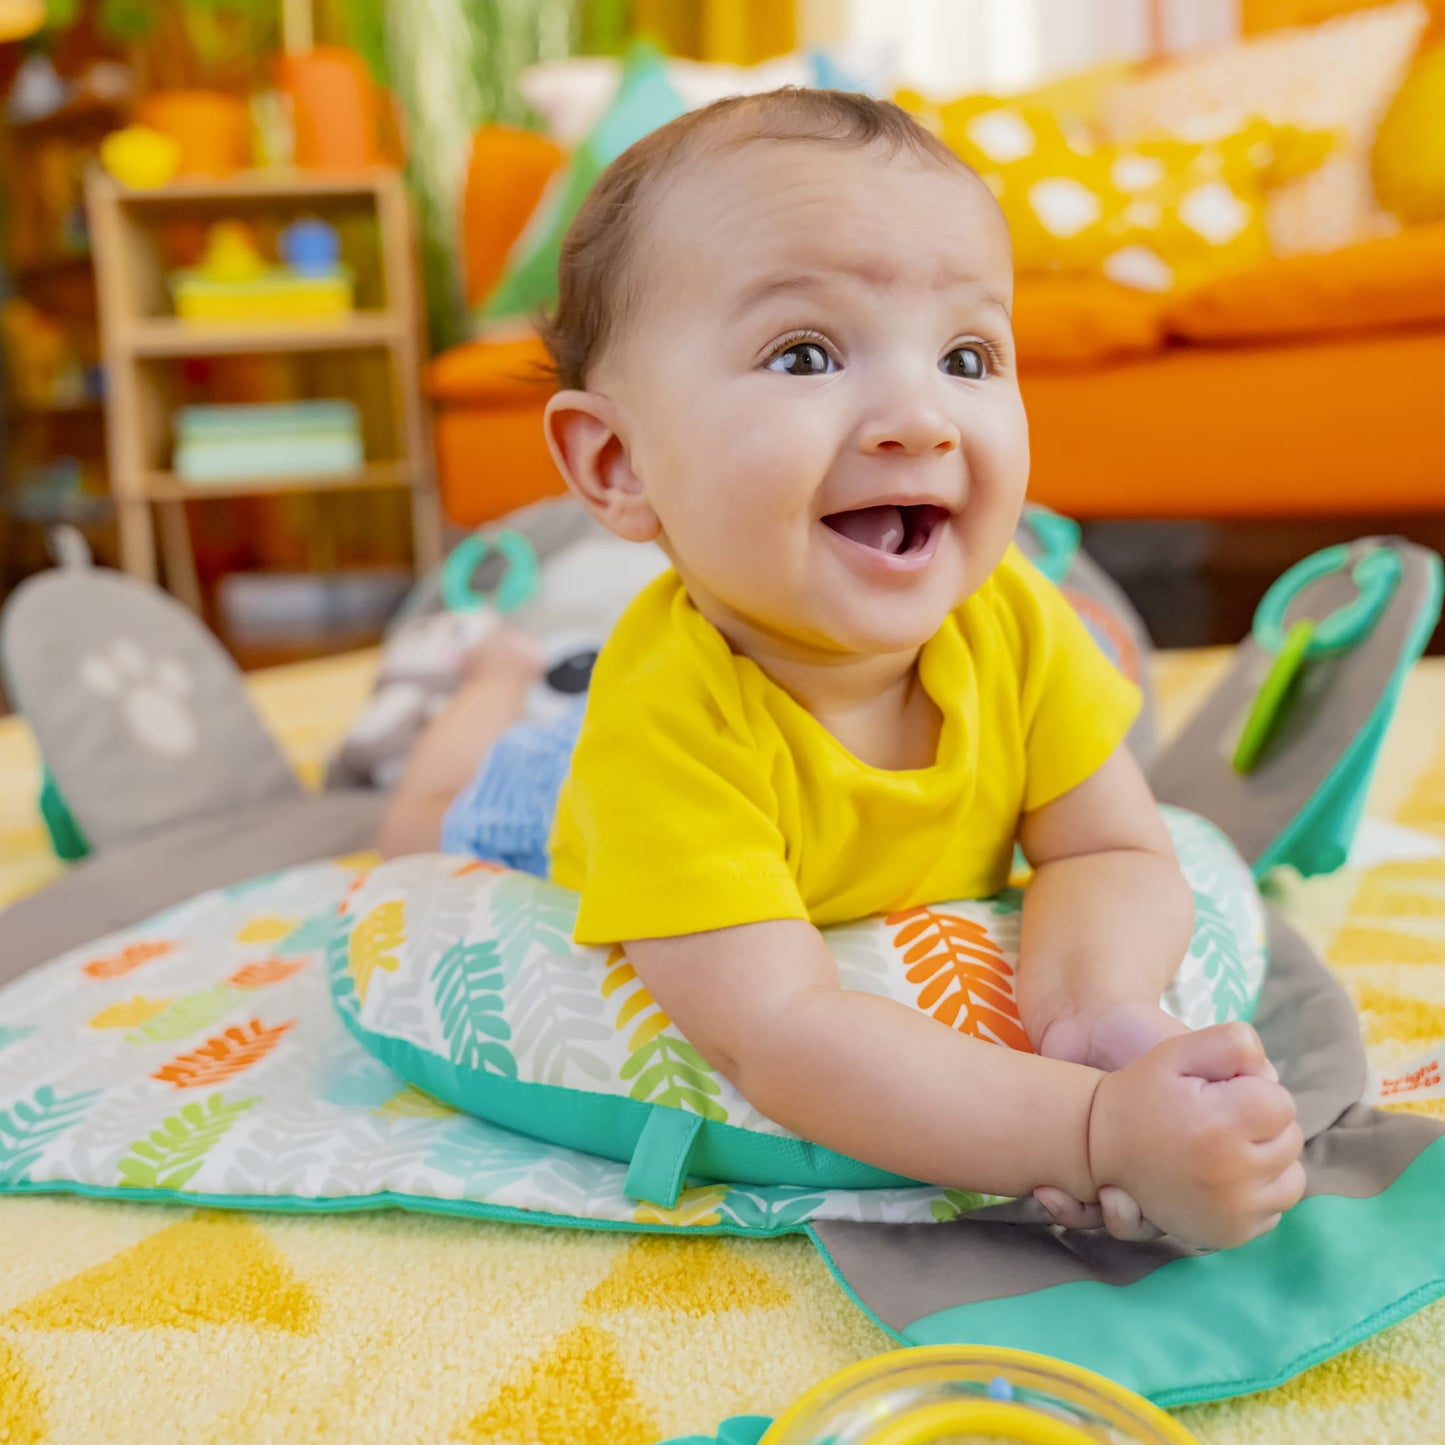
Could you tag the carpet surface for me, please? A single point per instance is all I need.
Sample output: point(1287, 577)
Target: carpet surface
point(142, 1322)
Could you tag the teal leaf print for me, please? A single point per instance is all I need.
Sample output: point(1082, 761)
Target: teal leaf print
point(308, 936)
point(168, 1156)
point(468, 979)
point(338, 949)
point(670, 1071)
point(1217, 948)
point(13, 1033)
point(28, 1126)
point(771, 1210)
point(527, 916)
point(484, 1157)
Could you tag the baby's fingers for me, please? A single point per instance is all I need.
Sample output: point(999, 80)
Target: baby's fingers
point(1067, 1211)
point(1122, 1216)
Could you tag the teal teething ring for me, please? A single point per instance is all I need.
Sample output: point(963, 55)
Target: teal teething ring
point(1376, 574)
point(1059, 538)
point(519, 582)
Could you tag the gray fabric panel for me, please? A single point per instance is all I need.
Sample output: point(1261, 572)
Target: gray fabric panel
point(139, 712)
point(1334, 701)
point(903, 1273)
point(120, 887)
point(1310, 1030)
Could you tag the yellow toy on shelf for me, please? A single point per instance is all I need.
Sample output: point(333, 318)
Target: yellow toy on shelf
point(234, 283)
point(140, 157)
point(909, 1397)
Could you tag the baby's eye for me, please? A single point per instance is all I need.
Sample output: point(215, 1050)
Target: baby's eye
point(968, 362)
point(803, 358)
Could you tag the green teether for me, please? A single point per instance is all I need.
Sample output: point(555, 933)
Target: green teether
point(1269, 701)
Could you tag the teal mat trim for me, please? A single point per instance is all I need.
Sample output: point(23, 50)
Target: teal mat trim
point(387, 1199)
point(1209, 1327)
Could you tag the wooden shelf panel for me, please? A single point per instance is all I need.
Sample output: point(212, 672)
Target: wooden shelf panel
point(168, 487)
point(170, 336)
point(259, 185)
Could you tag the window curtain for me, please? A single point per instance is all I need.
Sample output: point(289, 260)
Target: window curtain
point(954, 46)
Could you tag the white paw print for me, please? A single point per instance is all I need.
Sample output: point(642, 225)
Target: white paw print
point(151, 692)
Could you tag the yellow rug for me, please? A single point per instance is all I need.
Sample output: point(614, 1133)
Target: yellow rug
point(124, 1323)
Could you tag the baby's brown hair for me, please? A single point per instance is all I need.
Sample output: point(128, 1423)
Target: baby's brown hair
point(594, 271)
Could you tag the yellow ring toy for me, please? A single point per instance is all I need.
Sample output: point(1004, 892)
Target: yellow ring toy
point(909, 1397)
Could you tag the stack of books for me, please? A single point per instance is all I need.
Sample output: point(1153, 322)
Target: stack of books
point(269, 439)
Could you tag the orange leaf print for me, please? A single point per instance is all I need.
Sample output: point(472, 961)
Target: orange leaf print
point(128, 959)
point(478, 865)
point(964, 979)
point(268, 970)
point(222, 1057)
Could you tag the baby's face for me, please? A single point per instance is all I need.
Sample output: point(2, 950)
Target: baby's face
point(818, 393)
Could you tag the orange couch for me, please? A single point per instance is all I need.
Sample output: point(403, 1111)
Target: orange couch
point(1307, 387)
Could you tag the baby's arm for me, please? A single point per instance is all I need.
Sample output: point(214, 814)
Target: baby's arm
point(1106, 920)
point(1208, 1150)
point(864, 1075)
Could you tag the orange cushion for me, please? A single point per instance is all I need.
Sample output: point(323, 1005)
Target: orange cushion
point(1068, 320)
point(492, 372)
point(506, 174)
point(1323, 428)
point(1391, 282)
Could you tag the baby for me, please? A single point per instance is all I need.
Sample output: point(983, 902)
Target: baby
point(783, 341)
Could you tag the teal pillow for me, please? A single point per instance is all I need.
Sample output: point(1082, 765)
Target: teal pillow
point(645, 99)
point(464, 979)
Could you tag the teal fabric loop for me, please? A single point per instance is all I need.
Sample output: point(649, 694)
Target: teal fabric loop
point(1376, 574)
point(1059, 538)
point(659, 1160)
point(519, 583)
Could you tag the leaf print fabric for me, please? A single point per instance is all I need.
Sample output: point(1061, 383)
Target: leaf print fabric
point(209, 1054)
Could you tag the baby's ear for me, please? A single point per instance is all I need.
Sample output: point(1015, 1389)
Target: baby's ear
point(590, 453)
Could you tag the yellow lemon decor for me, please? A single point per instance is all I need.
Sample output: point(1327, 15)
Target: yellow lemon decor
point(1408, 164)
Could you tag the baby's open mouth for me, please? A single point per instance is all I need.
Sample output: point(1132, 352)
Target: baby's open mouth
point(895, 529)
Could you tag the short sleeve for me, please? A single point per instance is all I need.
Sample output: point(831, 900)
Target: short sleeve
point(1077, 706)
point(667, 825)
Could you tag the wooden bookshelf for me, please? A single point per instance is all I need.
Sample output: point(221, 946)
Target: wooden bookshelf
point(143, 346)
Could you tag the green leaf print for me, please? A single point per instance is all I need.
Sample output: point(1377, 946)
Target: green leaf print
point(468, 979)
point(188, 1013)
point(1217, 947)
point(168, 1156)
point(670, 1071)
point(958, 1201)
point(527, 917)
point(28, 1126)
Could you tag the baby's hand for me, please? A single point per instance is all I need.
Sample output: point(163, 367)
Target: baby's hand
point(1199, 1132)
point(1107, 1036)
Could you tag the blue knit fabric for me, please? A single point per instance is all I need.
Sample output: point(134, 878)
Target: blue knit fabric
point(505, 814)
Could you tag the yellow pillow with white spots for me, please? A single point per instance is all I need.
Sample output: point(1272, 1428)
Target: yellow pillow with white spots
point(1157, 215)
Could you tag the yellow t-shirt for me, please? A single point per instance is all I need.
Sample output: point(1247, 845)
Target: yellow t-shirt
point(701, 795)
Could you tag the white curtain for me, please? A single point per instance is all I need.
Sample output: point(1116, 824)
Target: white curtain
point(953, 46)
